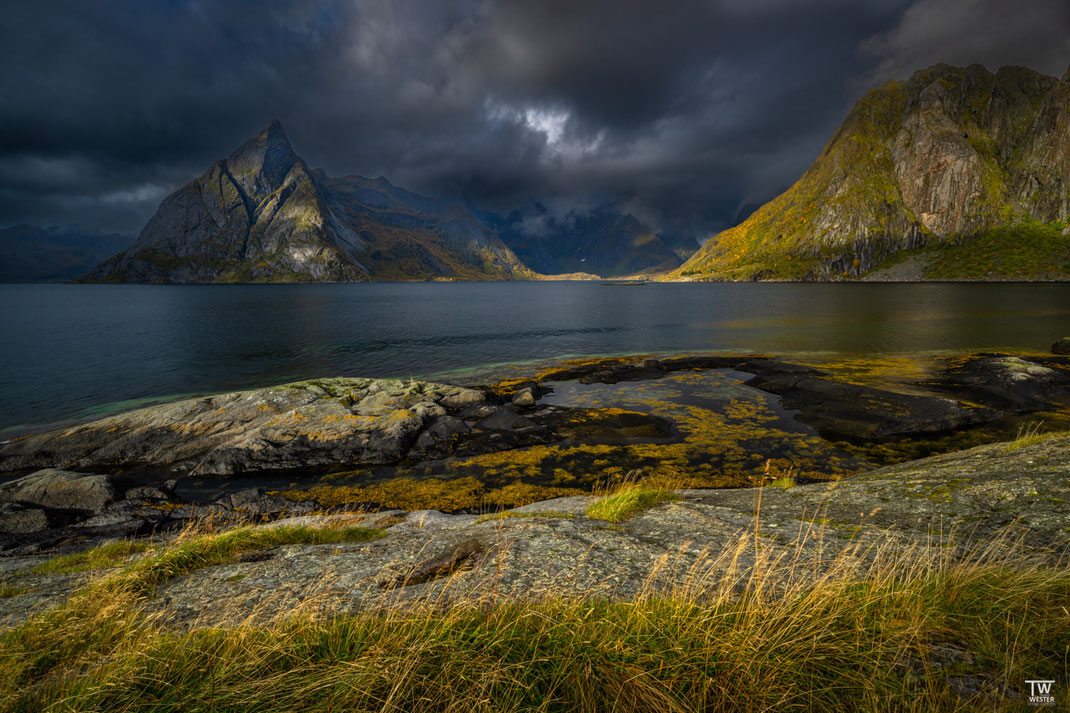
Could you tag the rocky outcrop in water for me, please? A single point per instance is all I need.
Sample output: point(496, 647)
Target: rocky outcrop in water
point(942, 159)
point(835, 409)
point(116, 475)
point(310, 424)
point(1009, 383)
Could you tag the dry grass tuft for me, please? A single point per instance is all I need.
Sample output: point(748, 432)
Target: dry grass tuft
point(784, 632)
point(1028, 434)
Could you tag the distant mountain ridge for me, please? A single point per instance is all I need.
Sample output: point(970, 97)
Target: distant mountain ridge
point(962, 171)
point(261, 215)
point(411, 236)
point(602, 240)
point(54, 254)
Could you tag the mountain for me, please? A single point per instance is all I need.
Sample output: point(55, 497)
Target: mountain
point(602, 241)
point(262, 215)
point(54, 254)
point(412, 236)
point(957, 173)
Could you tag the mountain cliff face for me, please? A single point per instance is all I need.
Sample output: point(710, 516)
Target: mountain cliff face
point(604, 241)
point(256, 216)
point(409, 235)
point(262, 216)
point(964, 171)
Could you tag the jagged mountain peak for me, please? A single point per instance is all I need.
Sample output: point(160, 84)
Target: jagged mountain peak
point(262, 163)
point(261, 215)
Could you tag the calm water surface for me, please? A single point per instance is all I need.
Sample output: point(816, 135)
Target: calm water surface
point(70, 352)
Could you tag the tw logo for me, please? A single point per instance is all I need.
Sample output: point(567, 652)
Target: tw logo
point(1040, 693)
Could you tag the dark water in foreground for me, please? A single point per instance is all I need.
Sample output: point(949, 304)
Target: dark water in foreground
point(79, 351)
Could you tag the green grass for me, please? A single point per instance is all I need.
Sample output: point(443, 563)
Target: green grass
point(627, 503)
point(1024, 250)
point(841, 641)
point(9, 590)
point(1029, 435)
point(115, 553)
point(97, 618)
point(107, 555)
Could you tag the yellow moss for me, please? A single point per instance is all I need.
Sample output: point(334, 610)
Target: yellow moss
point(447, 495)
point(164, 506)
point(507, 387)
point(518, 493)
point(729, 436)
point(563, 476)
point(399, 493)
point(896, 373)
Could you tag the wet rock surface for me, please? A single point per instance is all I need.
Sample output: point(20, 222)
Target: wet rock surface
point(63, 490)
point(956, 502)
point(840, 410)
point(27, 528)
point(300, 425)
point(328, 422)
point(348, 423)
point(1005, 382)
point(19, 519)
point(321, 423)
point(836, 409)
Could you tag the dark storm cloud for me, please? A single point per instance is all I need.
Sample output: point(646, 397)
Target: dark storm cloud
point(991, 32)
point(681, 112)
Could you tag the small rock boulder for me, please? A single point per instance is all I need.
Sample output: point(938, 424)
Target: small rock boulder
point(18, 519)
point(63, 490)
point(124, 518)
point(1008, 383)
point(525, 398)
point(459, 398)
point(147, 492)
point(504, 420)
point(437, 439)
point(474, 413)
point(255, 501)
point(1061, 347)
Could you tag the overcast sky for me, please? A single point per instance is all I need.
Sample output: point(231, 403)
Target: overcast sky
point(680, 111)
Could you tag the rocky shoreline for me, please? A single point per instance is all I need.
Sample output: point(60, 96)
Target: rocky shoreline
point(73, 487)
point(1011, 495)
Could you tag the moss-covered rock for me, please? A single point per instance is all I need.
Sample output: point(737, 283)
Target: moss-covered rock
point(322, 422)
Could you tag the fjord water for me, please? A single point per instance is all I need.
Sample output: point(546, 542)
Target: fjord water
point(73, 352)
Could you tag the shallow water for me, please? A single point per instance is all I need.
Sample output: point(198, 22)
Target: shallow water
point(74, 352)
